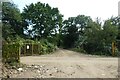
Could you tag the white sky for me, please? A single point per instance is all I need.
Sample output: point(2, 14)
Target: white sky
point(103, 9)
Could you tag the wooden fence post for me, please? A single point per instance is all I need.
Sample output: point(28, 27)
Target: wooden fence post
point(113, 48)
point(19, 54)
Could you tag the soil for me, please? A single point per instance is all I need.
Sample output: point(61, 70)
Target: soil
point(65, 64)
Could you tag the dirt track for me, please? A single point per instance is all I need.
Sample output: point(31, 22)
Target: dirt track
point(69, 64)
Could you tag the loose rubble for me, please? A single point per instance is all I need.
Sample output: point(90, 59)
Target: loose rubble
point(40, 70)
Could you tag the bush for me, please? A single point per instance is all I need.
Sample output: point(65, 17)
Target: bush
point(79, 50)
point(11, 52)
point(46, 47)
point(43, 48)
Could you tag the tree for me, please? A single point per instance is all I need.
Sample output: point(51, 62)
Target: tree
point(93, 35)
point(116, 22)
point(70, 32)
point(73, 28)
point(99, 39)
point(44, 20)
point(110, 32)
point(11, 19)
point(82, 22)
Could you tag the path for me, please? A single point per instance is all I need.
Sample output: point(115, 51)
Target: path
point(68, 64)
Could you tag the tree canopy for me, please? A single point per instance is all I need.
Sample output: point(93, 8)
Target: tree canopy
point(11, 19)
point(44, 20)
point(73, 28)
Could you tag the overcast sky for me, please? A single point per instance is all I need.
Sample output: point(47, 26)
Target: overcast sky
point(103, 9)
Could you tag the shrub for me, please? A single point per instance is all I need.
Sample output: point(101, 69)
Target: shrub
point(79, 50)
point(47, 47)
point(11, 52)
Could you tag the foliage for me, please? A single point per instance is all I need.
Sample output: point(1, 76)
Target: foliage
point(69, 33)
point(116, 21)
point(11, 52)
point(43, 19)
point(110, 33)
point(97, 39)
point(46, 47)
point(40, 26)
point(93, 38)
point(11, 19)
point(78, 49)
point(73, 28)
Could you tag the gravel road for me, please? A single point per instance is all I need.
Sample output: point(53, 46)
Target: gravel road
point(67, 64)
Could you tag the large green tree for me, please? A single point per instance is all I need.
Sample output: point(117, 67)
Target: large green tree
point(99, 39)
point(112, 31)
point(11, 19)
point(93, 38)
point(69, 32)
point(73, 28)
point(116, 22)
point(44, 20)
